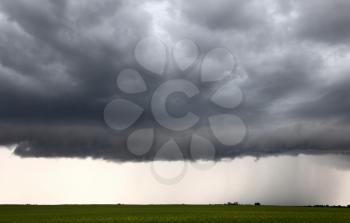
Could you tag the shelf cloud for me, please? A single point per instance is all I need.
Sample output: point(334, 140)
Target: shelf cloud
point(59, 62)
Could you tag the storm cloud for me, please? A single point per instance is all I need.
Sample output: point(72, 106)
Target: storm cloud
point(59, 61)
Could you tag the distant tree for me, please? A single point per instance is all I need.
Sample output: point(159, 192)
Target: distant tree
point(323, 206)
point(348, 206)
point(257, 204)
point(230, 203)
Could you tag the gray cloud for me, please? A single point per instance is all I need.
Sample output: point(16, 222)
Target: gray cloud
point(222, 15)
point(59, 62)
point(324, 21)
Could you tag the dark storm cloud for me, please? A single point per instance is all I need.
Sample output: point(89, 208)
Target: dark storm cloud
point(62, 58)
point(59, 61)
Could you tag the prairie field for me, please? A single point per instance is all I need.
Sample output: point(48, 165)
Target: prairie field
point(169, 213)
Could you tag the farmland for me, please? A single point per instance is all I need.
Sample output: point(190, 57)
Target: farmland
point(169, 213)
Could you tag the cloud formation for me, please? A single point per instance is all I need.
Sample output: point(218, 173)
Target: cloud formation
point(59, 61)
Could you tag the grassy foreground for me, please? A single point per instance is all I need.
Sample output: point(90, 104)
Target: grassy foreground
point(169, 213)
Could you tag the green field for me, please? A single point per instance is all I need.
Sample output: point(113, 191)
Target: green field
point(170, 213)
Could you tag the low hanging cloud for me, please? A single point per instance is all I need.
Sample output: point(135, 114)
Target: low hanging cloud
point(59, 61)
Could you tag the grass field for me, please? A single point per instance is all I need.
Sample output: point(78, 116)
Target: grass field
point(170, 213)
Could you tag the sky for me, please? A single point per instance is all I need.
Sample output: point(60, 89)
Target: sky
point(103, 95)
